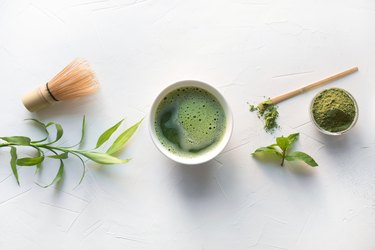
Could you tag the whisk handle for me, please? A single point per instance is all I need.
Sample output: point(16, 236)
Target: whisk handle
point(38, 99)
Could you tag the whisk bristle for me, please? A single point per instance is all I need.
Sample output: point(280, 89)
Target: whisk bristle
point(75, 80)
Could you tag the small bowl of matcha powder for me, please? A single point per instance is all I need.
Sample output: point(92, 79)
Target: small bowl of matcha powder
point(334, 111)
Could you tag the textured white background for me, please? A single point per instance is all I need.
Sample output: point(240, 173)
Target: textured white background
point(245, 48)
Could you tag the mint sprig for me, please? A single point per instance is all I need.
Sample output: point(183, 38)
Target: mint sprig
point(48, 148)
point(281, 150)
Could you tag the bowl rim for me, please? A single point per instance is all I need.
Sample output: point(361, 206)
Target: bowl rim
point(209, 155)
point(339, 132)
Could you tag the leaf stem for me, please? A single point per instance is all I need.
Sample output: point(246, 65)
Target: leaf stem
point(48, 147)
point(283, 158)
point(44, 147)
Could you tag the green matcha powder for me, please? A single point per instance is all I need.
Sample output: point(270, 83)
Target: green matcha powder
point(268, 112)
point(334, 110)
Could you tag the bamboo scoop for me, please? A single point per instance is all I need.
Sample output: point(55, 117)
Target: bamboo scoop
point(275, 100)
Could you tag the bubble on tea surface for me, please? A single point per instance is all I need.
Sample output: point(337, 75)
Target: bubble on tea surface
point(189, 121)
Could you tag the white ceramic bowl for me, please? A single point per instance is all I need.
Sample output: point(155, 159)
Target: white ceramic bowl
point(203, 157)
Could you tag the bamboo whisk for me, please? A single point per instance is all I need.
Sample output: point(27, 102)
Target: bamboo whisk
point(76, 80)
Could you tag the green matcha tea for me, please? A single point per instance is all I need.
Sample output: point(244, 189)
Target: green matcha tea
point(189, 121)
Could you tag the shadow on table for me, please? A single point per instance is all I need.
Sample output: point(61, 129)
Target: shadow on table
point(296, 167)
point(196, 180)
point(340, 143)
point(70, 107)
point(292, 176)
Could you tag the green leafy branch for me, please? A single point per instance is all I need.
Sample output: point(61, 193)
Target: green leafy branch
point(281, 150)
point(46, 148)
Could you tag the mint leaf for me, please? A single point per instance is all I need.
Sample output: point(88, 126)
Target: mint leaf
point(280, 149)
point(300, 156)
point(267, 150)
point(282, 142)
point(292, 138)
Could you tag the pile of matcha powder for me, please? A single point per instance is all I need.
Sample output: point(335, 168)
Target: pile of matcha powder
point(334, 110)
point(268, 111)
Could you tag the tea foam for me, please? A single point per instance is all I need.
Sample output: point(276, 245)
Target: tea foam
point(189, 121)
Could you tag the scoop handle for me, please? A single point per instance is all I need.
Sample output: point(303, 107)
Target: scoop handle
point(310, 86)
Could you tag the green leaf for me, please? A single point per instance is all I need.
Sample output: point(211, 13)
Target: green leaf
point(83, 130)
point(39, 123)
point(30, 161)
point(13, 162)
point(84, 167)
point(267, 150)
point(107, 134)
point(61, 153)
point(59, 132)
point(58, 176)
point(101, 158)
point(18, 140)
point(282, 142)
point(39, 165)
point(123, 138)
point(59, 156)
point(292, 138)
point(295, 156)
point(42, 126)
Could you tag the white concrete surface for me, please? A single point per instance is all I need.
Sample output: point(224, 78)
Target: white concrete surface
point(245, 48)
